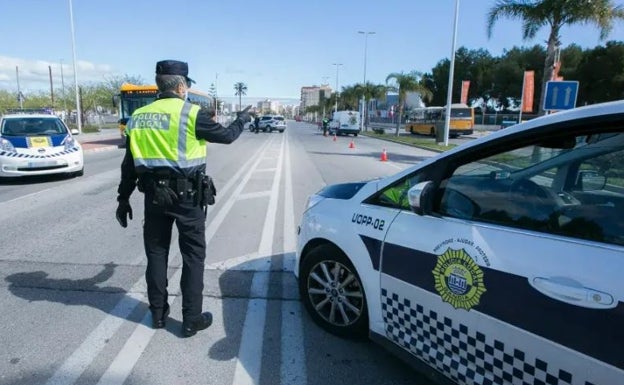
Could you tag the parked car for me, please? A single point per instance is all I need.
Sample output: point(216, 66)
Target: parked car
point(272, 122)
point(38, 144)
point(497, 262)
point(345, 122)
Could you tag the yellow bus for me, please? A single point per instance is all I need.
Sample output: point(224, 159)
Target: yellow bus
point(133, 96)
point(426, 121)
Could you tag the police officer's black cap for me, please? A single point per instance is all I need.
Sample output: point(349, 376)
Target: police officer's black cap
point(173, 67)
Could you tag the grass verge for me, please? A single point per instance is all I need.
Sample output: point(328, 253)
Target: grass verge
point(426, 143)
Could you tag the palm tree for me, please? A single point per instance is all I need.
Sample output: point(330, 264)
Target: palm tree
point(349, 97)
point(240, 89)
point(370, 91)
point(555, 13)
point(404, 83)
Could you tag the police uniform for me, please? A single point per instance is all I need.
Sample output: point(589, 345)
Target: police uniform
point(166, 157)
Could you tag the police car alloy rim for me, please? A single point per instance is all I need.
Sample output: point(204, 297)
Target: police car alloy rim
point(335, 293)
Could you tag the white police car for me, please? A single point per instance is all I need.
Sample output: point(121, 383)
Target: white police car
point(498, 262)
point(38, 144)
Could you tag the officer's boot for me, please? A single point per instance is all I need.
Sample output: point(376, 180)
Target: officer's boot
point(190, 328)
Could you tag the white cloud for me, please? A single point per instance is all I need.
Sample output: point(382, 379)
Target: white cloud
point(34, 74)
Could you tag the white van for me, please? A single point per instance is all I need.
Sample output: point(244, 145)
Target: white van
point(345, 122)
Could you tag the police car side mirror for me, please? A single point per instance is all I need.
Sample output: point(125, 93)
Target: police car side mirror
point(419, 197)
point(74, 131)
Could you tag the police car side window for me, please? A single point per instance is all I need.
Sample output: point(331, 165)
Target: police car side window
point(395, 195)
point(574, 188)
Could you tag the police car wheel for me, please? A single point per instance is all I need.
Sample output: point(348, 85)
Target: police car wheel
point(332, 292)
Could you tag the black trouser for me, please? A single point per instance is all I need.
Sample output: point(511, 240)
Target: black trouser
point(190, 221)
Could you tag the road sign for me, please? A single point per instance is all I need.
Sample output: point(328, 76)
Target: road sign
point(560, 95)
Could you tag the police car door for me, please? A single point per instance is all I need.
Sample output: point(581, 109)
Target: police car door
point(514, 276)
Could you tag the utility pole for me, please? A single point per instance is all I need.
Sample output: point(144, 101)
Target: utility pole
point(78, 108)
point(63, 93)
point(363, 103)
point(337, 93)
point(51, 85)
point(20, 97)
point(449, 96)
point(216, 97)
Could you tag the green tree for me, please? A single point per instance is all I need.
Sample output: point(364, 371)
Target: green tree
point(240, 90)
point(556, 14)
point(473, 65)
point(403, 83)
point(349, 97)
point(601, 74)
point(370, 91)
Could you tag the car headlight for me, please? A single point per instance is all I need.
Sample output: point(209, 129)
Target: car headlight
point(5, 145)
point(313, 200)
point(69, 142)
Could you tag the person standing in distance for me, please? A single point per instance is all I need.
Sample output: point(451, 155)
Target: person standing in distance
point(166, 158)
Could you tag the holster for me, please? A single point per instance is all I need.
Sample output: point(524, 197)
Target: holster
point(207, 190)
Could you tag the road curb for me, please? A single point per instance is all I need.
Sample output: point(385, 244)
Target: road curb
point(403, 143)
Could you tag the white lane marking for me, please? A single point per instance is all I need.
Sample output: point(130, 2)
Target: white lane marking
point(293, 360)
point(249, 262)
point(249, 362)
point(75, 365)
point(234, 179)
point(81, 358)
point(218, 219)
point(124, 362)
point(265, 170)
point(27, 195)
point(258, 194)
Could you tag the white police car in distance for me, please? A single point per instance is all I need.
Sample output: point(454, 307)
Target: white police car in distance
point(498, 262)
point(38, 144)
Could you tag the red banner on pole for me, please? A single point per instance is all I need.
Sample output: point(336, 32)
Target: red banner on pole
point(528, 91)
point(464, 91)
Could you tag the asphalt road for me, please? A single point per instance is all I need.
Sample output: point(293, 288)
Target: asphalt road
point(72, 292)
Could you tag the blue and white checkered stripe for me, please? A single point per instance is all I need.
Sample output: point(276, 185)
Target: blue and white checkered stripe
point(481, 350)
point(10, 154)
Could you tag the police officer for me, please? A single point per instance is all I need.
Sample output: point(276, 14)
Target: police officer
point(256, 124)
point(325, 124)
point(166, 158)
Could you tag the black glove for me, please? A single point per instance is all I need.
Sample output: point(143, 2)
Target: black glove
point(244, 115)
point(123, 212)
point(164, 195)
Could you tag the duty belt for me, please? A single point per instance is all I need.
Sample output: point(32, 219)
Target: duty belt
point(183, 187)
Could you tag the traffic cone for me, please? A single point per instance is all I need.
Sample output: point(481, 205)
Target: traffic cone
point(351, 145)
point(334, 137)
point(384, 156)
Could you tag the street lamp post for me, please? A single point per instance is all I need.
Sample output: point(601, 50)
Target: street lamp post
point(363, 103)
point(78, 110)
point(323, 81)
point(216, 97)
point(449, 96)
point(337, 93)
point(63, 93)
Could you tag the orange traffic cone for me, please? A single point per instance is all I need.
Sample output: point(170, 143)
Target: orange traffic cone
point(334, 137)
point(384, 156)
point(351, 145)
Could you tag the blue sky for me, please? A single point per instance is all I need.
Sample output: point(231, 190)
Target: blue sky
point(274, 46)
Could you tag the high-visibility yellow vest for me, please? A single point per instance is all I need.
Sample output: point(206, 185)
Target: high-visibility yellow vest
point(162, 134)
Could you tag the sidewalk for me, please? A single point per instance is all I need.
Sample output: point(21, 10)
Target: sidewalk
point(105, 140)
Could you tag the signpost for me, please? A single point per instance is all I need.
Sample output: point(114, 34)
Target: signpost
point(560, 95)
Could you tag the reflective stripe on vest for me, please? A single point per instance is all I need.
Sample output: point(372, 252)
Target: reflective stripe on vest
point(162, 134)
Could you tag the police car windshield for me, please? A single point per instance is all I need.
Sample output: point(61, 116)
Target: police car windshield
point(30, 126)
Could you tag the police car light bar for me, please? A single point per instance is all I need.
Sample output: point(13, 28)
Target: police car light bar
point(45, 110)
